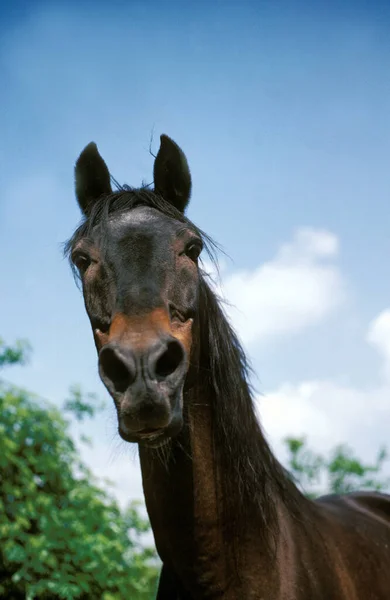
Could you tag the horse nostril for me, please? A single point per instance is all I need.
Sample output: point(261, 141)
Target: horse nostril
point(116, 368)
point(169, 361)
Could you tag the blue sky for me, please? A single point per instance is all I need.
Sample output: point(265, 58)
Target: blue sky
point(283, 112)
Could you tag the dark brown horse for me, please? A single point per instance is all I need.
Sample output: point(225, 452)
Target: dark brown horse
point(227, 520)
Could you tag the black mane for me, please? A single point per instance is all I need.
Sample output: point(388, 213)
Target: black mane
point(248, 468)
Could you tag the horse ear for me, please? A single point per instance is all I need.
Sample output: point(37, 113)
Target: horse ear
point(172, 177)
point(92, 178)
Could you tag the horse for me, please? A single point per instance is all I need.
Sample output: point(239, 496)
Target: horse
point(228, 521)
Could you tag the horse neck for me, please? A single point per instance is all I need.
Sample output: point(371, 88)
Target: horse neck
point(219, 496)
point(193, 535)
point(181, 496)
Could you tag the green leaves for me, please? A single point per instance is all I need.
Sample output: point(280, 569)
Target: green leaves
point(341, 473)
point(61, 536)
point(82, 405)
point(347, 473)
point(17, 354)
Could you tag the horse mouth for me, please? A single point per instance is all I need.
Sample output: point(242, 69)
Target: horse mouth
point(154, 439)
point(150, 435)
point(151, 438)
point(150, 421)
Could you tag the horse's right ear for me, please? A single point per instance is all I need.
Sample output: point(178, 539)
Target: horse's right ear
point(172, 177)
point(92, 178)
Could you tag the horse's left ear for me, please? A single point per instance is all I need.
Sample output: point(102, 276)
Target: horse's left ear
point(172, 177)
point(92, 178)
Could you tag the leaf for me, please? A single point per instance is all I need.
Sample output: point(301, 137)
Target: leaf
point(82, 405)
point(13, 355)
point(342, 471)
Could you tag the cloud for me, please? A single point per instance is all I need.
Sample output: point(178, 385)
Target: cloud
point(379, 336)
point(299, 287)
point(328, 413)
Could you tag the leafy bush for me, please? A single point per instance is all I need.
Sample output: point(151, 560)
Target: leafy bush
point(61, 535)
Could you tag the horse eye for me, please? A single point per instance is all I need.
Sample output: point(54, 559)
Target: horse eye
point(193, 250)
point(82, 262)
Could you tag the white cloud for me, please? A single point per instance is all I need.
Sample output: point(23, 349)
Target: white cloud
point(297, 288)
point(379, 336)
point(328, 413)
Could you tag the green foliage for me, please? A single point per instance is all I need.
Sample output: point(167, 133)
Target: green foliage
point(12, 355)
point(341, 473)
point(61, 536)
point(347, 473)
point(82, 405)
